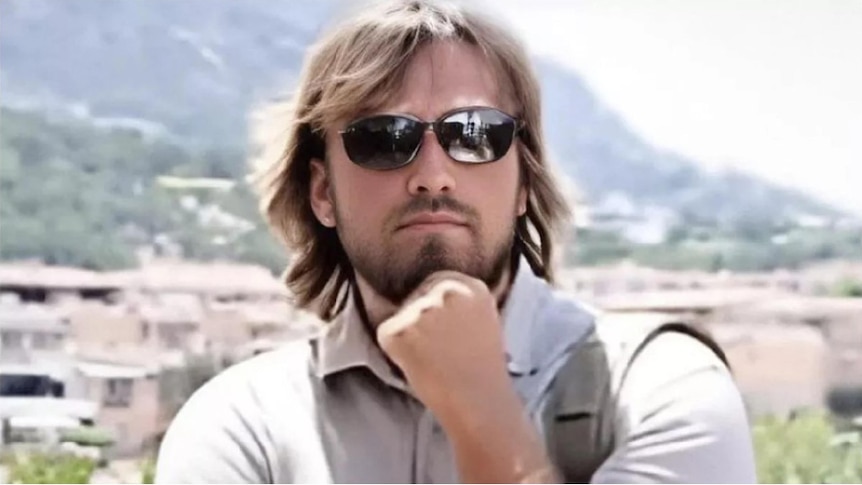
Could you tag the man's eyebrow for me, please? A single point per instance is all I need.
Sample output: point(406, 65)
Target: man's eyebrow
point(364, 111)
point(407, 110)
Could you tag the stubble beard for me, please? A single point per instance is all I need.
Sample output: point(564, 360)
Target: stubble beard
point(394, 274)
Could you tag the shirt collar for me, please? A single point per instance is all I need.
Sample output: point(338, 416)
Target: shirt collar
point(346, 343)
point(519, 316)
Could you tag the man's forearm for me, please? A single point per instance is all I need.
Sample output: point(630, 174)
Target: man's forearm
point(448, 341)
point(495, 442)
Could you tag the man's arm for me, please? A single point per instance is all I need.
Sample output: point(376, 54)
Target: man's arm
point(496, 443)
point(680, 419)
point(448, 341)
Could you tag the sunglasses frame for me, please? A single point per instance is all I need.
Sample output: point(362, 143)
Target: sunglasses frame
point(517, 125)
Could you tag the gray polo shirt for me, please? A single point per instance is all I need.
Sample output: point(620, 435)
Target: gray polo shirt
point(329, 409)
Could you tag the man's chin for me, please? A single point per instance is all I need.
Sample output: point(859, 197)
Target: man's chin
point(426, 266)
point(400, 269)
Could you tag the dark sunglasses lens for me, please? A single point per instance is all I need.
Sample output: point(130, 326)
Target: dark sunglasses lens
point(382, 142)
point(476, 136)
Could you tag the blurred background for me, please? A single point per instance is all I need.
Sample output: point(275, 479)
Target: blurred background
point(712, 151)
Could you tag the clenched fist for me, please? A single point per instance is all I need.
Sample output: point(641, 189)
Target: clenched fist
point(448, 341)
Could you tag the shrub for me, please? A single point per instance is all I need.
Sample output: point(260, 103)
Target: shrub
point(806, 448)
point(49, 468)
point(148, 470)
point(848, 288)
point(88, 436)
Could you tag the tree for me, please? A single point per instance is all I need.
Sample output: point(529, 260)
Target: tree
point(849, 288)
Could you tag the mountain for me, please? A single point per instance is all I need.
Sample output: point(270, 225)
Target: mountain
point(192, 68)
point(190, 71)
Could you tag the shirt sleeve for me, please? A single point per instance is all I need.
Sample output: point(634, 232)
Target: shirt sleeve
point(680, 419)
point(215, 437)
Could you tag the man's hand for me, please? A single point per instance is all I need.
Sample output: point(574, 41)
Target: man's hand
point(448, 341)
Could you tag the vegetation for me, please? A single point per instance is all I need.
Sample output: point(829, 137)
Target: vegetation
point(148, 470)
point(806, 448)
point(88, 436)
point(849, 288)
point(731, 248)
point(49, 468)
point(72, 194)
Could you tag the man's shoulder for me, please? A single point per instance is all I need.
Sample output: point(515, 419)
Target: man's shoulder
point(560, 308)
point(256, 380)
point(640, 351)
point(620, 334)
point(653, 335)
point(226, 425)
point(286, 363)
point(669, 357)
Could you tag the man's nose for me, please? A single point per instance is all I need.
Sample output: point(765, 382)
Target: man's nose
point(432, 170)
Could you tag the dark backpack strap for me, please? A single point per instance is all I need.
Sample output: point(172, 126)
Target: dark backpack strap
point(692, 331)
point(574, 413)
point(579, 414)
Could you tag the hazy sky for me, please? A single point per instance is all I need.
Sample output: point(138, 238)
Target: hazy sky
point(770, 86)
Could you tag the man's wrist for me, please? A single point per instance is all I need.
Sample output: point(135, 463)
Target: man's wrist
point(499, 434)
point(485, 414)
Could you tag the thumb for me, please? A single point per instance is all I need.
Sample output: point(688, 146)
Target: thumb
point(432, 296)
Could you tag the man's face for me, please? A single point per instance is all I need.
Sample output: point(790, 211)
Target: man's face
point(399, 226)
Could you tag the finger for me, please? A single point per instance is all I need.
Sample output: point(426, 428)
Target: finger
point(410, 313)
point(437, 294)
point(434, 278)
point(398, 323)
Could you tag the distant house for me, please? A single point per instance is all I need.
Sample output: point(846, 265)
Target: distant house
point(821, 279)
point(35, 406)
point(779, 368)
point(32, 333)
point(206, 307)
point(787, 351)
point(38, 283)
point(168, 305)
point(105, 325)
point(135, 343)
point(214, 280)
point(838, 324)
point(128, 398)
point(626, 278)
point(690, 304)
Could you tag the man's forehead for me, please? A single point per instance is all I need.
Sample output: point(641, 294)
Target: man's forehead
point(447, 75)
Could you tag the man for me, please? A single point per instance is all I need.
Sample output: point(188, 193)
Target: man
point(414, 192)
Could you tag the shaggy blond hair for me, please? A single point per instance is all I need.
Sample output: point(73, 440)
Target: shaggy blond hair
point(353, 70)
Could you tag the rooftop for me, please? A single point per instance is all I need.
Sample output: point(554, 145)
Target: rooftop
point(57, 277)
point(214, 278)
point(217, 278)
point(685, 300)
point(29, 317)
point(47, 406)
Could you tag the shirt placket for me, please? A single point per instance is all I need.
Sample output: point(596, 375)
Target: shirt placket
point(434, 461)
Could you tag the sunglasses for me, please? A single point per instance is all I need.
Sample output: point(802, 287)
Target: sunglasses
point(468, 135)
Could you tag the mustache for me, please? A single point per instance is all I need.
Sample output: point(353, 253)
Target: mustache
point(418, 205)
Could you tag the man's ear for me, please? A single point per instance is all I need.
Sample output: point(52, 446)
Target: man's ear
point(523, 193)
point(320, 194)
